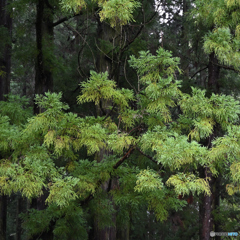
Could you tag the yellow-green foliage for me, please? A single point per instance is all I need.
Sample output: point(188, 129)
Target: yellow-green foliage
point(117, 12)
point(152, 69)
point(98, 87)
point(61, 191)
point(202, 128)
point(157, 73)
point(187, 183)
point(223, 17)
point(45, 151)
point(117, 142)
point(148, 180)
point(162, 142)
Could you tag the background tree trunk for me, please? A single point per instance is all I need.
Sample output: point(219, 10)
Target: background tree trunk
point(5, 52)
point(213, 74)
point(44, 39)
point(5, 70)
point(209, 202)
point(3, 217)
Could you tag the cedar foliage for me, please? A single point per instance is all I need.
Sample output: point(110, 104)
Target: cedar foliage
point(45, 151)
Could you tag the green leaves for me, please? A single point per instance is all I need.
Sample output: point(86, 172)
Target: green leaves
point(99, 87)
point(61, 191)
point(223, 17)
point(118, 12)
point(16, 108)
point(206, 112)
point(46, 152)
point(51, 102)
point(187, 183)
point(148, 180)
point(153, 68)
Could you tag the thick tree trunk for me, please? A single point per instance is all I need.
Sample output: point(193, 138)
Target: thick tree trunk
point(21, 207)
point(206, 218)
point(5, 69)
point(105, 64)
point(3, 217)
point(44, 39)
point(213, 74)
point(216, 195)
point(40, 204)
point(209, 203)
point(106, 233)
point(5, 52)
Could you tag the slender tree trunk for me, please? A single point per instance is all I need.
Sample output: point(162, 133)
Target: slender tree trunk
point(44, 39)
point(5, 52)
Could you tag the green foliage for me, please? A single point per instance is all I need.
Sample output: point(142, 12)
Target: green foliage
point(157, 74)
point(16, 108)
point(223, 17)
point(37, 222)
point(152, 69)
point(148, 181)
point(187, 183)
point(118, 12)
point(44, 152)
point(99, 87)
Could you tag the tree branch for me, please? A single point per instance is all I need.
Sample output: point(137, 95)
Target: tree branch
point(99, 183)
point(65, 19)
point(127, 155)
point(198, 71)
point(227, 67)
point(138, 32)
point(149, 157)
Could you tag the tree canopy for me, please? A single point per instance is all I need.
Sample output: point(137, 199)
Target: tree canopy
point(121, 120)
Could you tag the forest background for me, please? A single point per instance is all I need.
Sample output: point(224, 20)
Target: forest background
point(119, 119)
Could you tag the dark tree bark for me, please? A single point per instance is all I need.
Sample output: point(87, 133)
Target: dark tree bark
point(209, 203)
point(104, 64)
point(40, 204)
point(3, 217)
point(206, 218)
point(21, 208)
point(5, 52)
point(216, 199)
point(213, 74)
point(43, 77)
point(5, 69)
point(44, 39)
